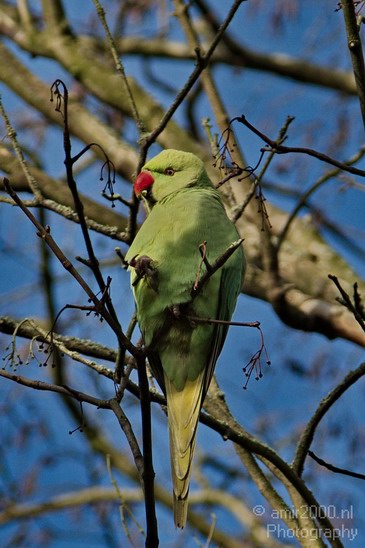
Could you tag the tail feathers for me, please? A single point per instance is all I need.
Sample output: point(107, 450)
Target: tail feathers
point(180, 511)
point(183, 409)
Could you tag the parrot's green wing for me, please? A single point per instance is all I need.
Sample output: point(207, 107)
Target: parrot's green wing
point(231, 282)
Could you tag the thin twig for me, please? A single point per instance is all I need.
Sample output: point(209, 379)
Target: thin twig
point(256, 186)
point(202, 62)
point(11, 133)
point(347, 302)
point(281, 149)
point(123, 507)
point(64, 390)
point(221, 322)
point(303, 201)
point(325, 405)
point(218, 263)
point(119, 67)
point(93, 262)
point(45, 234)
point(336, 469)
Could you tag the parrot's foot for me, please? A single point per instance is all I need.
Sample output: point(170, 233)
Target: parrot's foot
point(182, 312)
point(176, 311)
point(145, 269)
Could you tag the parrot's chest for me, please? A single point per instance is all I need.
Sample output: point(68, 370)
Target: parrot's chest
point(175, 237)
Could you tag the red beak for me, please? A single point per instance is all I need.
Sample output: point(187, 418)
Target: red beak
point(142, 182)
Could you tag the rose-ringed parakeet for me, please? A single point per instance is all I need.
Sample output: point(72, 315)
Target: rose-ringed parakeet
point(165, 258)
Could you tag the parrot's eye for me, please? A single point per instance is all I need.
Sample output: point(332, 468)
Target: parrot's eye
point(169, 171)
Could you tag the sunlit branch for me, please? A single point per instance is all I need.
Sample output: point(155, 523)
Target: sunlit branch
point(90, 495)
point(119, 66)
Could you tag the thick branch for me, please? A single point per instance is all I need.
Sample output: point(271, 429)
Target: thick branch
point(83, 124)
point(230, 53)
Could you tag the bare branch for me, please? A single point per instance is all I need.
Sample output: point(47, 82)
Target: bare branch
point(354, 307)
point(218, 263)
point(66, 263)
point(325, 405)
point(18, 151)
point(355, 47)
point(202, 62)
point(119, 67)
point(303, 201)
point(64, 390)
point(281, 149)
point(336, 469)
point(93, 263)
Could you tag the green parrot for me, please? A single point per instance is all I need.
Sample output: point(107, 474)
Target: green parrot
point(186, 216)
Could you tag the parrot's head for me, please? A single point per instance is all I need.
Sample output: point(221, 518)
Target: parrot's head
point(168, 173)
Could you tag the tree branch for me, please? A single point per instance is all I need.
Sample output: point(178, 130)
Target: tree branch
point(335, 468)
point(64, 390)
point(202, 62)
point(91, 495)
point(45, 234)
point(281, 149)
point(325, 405)
point(356, 54)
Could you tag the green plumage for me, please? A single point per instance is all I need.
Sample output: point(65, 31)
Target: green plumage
point(186, 211)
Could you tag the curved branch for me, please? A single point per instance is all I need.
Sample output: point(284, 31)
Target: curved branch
point(325, 405)
point(221, 420)
point(336, 469)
